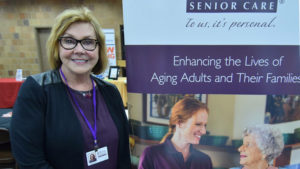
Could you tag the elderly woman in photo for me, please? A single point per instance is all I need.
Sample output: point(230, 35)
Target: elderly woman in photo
point(261, 145)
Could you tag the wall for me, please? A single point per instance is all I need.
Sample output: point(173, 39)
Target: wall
point(249, 110)
point(135, 106)
point(221, 114)
point(19, 20)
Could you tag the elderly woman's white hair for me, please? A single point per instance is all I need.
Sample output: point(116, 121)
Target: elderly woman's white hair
point(268, 139)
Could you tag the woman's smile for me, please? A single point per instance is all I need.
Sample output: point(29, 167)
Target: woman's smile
point(80, 61)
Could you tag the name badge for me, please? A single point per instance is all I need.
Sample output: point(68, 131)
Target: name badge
point(94, 157)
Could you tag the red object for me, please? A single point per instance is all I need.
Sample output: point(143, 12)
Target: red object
point(9, 89)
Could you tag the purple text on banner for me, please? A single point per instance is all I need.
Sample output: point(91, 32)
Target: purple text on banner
point(221, 69)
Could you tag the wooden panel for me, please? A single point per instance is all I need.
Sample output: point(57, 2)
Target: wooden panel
point(284, 158)
point(121, 63)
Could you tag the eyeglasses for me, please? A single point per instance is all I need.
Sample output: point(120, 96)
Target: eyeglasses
point(69, 43)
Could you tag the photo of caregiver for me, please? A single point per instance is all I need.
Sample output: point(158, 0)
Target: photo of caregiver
point(64, 115)
point(261, 145)
point(186, 126)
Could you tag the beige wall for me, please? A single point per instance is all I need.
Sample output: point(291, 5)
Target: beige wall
point(19, 20)
point(135, 106)
point(221, 114)
point(249, 110)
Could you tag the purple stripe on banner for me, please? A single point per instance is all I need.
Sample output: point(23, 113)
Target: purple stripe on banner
point(213, 69)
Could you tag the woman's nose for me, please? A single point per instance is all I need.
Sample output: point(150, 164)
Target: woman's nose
point(241, 148)
point(79, 48)
point(203, 130)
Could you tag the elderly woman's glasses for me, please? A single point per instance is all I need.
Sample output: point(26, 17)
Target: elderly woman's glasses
point(69, 43)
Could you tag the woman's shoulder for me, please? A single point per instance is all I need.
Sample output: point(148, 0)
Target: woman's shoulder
point(155, 148)
point(36, 82)
point(45, 78)
point(198, 153)
point(154, 151)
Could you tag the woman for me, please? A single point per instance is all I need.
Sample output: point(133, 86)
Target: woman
point(186, 126)
point(63, 115)
point(261, 144)
point(92, 158)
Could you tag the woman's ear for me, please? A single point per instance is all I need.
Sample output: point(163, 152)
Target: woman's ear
point(180, 124)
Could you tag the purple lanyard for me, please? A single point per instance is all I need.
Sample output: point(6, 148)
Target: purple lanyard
point(93, 131)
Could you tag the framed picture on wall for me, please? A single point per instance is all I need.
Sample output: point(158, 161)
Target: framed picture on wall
point(113, 72)
point(157, 107)
point(282, 108)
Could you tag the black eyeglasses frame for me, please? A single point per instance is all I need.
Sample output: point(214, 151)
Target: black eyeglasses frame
point(78, 41)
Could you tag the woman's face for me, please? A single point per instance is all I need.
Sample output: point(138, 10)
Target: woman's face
point(79, 61)
point(92, 157)
point(250, 154)
point(194, 127)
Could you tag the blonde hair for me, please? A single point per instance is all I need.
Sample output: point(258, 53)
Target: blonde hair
point(62, 23)
point(182, 111)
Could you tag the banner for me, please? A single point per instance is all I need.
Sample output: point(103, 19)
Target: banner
point(111, 48)
point(212, 46)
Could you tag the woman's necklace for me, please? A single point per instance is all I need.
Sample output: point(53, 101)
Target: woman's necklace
point(86, 94)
